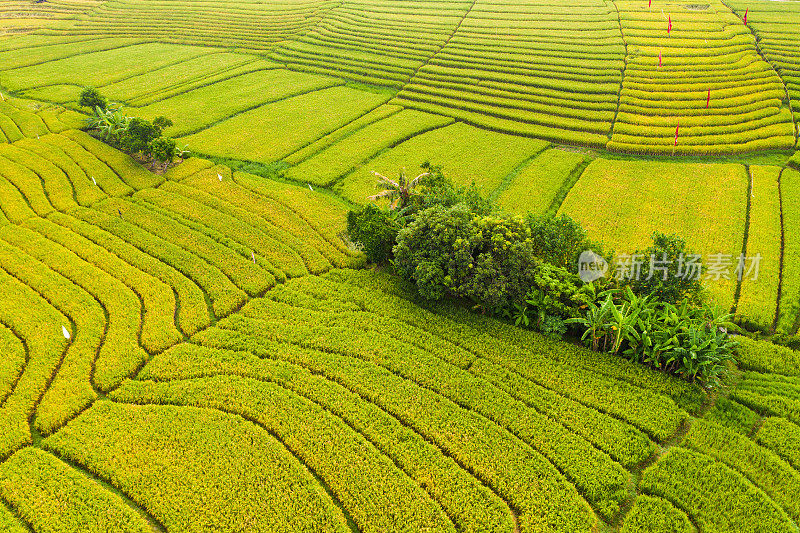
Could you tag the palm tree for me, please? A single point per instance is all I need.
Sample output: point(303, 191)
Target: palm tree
point(399, 193)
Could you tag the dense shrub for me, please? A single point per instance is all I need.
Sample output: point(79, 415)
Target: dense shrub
point(487, 259)
point(375, 230)
point(450, 250)
point(664, 272)
point(163, 149)
point(451, 242)
point(91, 98)
point(130, 134)
point(139, 135)
point(560, 240)
point(438, 189)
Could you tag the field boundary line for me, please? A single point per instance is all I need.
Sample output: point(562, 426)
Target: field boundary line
point(183, 134)
point(345, 136)
point(189, 81)
point(132, 504)
point(142, 41)
point(334, 499)
point(326, 409)
point(126, 261)
point(14, 511)
point(24, 197)
point(782, 254)
point(59, 167)
point(738, 292)
point(511, 433)
point(201, 228)
point(442, 47)
point(41, 181)
point(106, 316)
point(49, 382)
point(88, 291)
point(377, 154)
point(143, 308)
point(229, 209)
point(19, 126)
point(276, 199)
point(569, 182)
point(67, 157)
point(209, 305)
point(425, 436)
point(179, 224)
point(321, 137)
point(24, 365)
point(624, 69)
point(509, 178)
point(391, 146)
point(187, 87)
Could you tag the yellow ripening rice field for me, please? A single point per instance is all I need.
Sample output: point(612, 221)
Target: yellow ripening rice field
point(623, 202)
point(776, 25)
point(620, 75)
point(200, 350)
point(550, 70)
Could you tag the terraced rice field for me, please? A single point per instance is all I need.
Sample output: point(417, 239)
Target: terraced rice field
point(775, 26)
point(707, 77)
point(226, 370)
point(17, 17)
point(466, 153)
point(200, 351)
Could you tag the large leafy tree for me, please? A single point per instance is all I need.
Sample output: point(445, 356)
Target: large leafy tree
point(139, 135)
point(163, 149)
point(488, 259)
point(91, 98)
point(667, 272)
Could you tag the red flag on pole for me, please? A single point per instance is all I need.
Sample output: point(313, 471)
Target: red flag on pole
point(745, 16)
point(650, 4)
point(708, 100)
point(669, 26)
point(676, 133)
point(659, 60)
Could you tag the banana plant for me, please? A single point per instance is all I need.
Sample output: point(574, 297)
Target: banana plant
point(596, 322)
point(624, 319)
point(520, 315)
point(110, 123)
point(183, 153)
point(400, 193)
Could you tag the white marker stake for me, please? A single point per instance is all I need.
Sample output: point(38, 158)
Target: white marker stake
point(309, 186)
point(254, 256)
point(65, 332)
point(3, 97)
point(93, 180)
point(219, 176)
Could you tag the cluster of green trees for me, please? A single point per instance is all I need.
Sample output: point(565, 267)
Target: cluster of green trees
point(130, 134)
point(451, 242)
